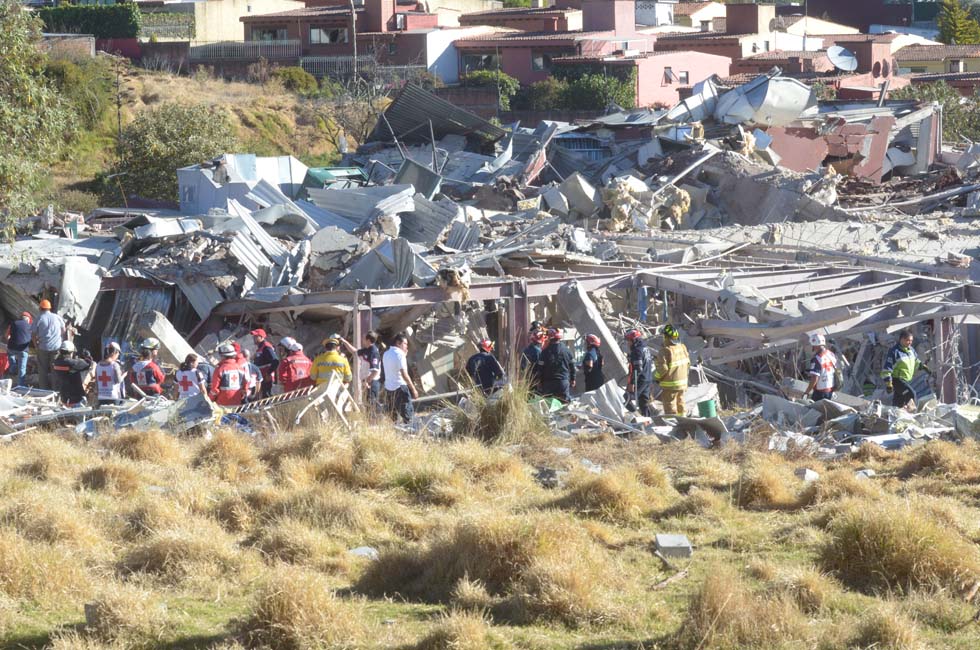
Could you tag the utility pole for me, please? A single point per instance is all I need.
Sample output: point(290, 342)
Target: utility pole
point(353, 29)
point(118, 107)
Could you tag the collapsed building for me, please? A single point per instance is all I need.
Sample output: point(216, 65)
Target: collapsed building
point(749, 217)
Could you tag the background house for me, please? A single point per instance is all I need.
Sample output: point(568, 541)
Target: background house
point(703, 16)
point(936, 59)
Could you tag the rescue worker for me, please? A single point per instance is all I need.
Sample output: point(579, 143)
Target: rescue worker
point(557, 368)
point(254, 375)
point(592, 363)
point(110, 378)
point(673, 364)
point(18, 342)
point(483, 368)
point(146, 374)
point(901, 364)
point(48, 332)
point(330, 361)
point(266, 360)
point(823, 368)
point(399, 387)
point(68, 373)
point(294, 368)
point(529, 361)
point(639, 381)
point(189, 380)
point(537, 327)
point(369, 370)
point(230, 383)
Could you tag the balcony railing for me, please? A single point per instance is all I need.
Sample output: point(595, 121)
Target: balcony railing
point(246, 50)
point(336, 66)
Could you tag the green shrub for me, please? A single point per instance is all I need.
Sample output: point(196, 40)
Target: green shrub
point(86, 85)
point(593, 91)
point(507, 85)
point(296, 79)
point(102, 21)
point(542, 95)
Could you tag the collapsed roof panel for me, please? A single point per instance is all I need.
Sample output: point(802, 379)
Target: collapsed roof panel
point(412, 111)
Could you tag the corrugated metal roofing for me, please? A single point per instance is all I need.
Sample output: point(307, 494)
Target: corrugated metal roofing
point(251, 257)
point(414, 107)
point(202, 295)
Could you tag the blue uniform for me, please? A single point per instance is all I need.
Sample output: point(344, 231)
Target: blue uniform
point(484, 369)
point(529, 365)
point(592, 366)
point(641, 372)
point(557, 371)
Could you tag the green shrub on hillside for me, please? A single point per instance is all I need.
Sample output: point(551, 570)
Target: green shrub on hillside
point(86, 85)
point(296, 79)
point(101, 21)
point(542, 95)
point(507, 85)
point(161, 140)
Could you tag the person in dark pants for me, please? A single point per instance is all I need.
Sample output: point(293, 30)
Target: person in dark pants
point(483, 368)
point(529, 361)
point(901, 364)
point(639, 381)
point(592, 363)
point(823, 367)
point(18, 342)
point(399, 388)
point(369, 367)
point(266, 360)
point(557, 368)
point(69, 374)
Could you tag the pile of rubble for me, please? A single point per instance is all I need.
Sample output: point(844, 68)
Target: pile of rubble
point(747, 216)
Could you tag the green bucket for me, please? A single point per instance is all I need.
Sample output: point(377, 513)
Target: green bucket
point(707, 408)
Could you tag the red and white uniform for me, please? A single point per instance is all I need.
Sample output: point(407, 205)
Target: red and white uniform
point(188, 383)
point(294, 371)
point(229, 383)
point(148, 376)
point(109, 380)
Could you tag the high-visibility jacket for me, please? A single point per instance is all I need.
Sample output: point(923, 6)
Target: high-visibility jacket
point(294, 371)
point(328, 362)
point(229, 383)
point(900, 363)
point(673, 365)
point(109, 380)
point(148, 376)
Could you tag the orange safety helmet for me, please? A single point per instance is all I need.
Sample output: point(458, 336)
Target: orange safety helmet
point(45, 304)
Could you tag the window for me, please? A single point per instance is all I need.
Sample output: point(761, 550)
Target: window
point(327, 35)
point(683, 77)
point(766, 46)
point(540, 61)
point(913, 70)
point(705, 25)
point(669, 76)
point(268, 33)
point(955, 65)
point(479, 62)
point(392, 47)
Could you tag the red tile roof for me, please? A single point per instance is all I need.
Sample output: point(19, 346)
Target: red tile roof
point(856, 38)
point(783, 55)
point(304, 12)
point(688, 8)
point(700, 36)
point(518, 11)
point(945, 76)
point(937, 52)
point(530, 37)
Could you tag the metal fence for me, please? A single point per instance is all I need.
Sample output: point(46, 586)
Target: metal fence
point(343, 66)
point(245, 50)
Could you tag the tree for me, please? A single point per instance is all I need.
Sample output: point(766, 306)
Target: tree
point(506, 85)
point(595, 91)
point(961, 117)
point(34, 121)
point(543, 95)
point(956, 26)
point(296, 79)
point(161, 140)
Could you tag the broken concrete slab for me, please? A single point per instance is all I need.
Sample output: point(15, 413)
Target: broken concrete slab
point(806, 474)
point(173, 348)
point(583, 198)
point(582, 312)
point(673, 546)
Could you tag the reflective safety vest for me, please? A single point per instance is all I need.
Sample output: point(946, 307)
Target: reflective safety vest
point(188, 383)
point(109, 380)
point(328, 362)
point(673, 365)
point(229, 383)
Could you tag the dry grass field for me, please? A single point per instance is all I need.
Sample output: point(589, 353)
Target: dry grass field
point(237, 543)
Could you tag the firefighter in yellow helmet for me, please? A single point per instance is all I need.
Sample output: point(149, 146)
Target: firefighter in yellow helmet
point(331, 361)
point(672, 367)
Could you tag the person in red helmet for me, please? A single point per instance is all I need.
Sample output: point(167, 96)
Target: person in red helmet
point(592, 363)
point(557, 368)
point(483, 368)
point(266, 360)
point(529, 361)
point(229, 385)
point(639, 381)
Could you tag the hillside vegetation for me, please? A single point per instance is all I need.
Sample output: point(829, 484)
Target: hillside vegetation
point(239, 543)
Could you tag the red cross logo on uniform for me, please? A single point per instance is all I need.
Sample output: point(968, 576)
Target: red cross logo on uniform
point(105, 379)
point(185, 383)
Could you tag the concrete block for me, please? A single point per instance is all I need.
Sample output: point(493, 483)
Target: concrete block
point(368, 552)
point(581, 195)
point(579, 309)
point(674, 546)
point(864, 473)
point(775, 409)
point(555, 200)
point(173, 348)
point(806, 474)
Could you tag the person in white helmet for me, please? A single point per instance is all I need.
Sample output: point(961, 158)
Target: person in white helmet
point(823, 370)
point(69, 375)
point(146, 374)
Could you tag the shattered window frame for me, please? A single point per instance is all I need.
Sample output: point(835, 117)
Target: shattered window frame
point(545, 61)
point(486, 61)
point(269, 34)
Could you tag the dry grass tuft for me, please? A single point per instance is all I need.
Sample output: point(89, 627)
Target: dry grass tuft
point(202, 550)
point(151, 516)
point(617, 495)
point(892, 545)
point(42, 518)
point(837, 485)
point(696, 503)
point(545, 568)
point(126, 613)
point(767, 483)
point(328, 507)
point(458, 631)
point(150, 446)
point(112, 477)
point(296, 610)
point(471, 595)
point(724, 613)
point(505, 418)
point(40, 572)
point(807, 587)
point(296, 446)
point(48, 458)
point(296, 543)
point(231, 456)
point(885, 627)
point(950, 460)
point(872, 453)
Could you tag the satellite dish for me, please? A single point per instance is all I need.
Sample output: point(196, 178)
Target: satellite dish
point(842, 58)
